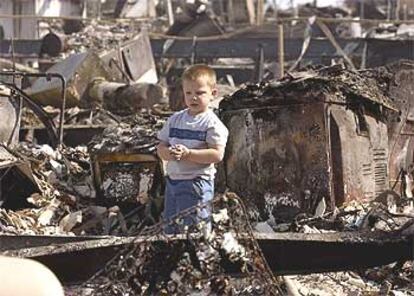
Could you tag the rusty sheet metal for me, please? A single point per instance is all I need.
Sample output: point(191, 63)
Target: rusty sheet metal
point(78, 70)
point(286, 253)
point(277, 157)
point(359, 151)
point(132, 61)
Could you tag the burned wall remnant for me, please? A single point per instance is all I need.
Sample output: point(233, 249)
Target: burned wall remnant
point(316, 135)
point(282, 149)
point(401, 126)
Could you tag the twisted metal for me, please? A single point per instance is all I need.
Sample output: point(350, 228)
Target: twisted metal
point(205, 257)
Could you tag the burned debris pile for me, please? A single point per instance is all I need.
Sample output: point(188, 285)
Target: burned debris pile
point(135, 134)
point(96, 35)
point(73, 117)
point(201, 264)
point(62, 177)
point(336, 84)
point(114, 184)
point(318, 169)
point(65, 176)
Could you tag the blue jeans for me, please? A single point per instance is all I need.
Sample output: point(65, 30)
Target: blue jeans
point(183, 194)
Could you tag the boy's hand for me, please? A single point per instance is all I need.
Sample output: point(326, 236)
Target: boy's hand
point(179, 151)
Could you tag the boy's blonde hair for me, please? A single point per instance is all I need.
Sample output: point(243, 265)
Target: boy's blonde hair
point(200, 71)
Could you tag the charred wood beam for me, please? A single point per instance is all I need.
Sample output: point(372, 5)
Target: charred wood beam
point(320, 50)
point(286, 253)
point(15, 242)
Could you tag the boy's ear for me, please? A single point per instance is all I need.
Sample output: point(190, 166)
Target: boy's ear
point(214, 91)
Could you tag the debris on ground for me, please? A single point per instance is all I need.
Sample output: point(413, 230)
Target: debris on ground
point(112, 183)
point(195, 267)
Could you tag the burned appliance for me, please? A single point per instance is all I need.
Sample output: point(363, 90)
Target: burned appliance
point(125, 166)
point(318, 135)
point(125, 177)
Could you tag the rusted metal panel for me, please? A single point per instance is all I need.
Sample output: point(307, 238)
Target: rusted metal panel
point(277, 157)
point(78, 70)
point(285, 158)
point(132, 61)
point(361, 142)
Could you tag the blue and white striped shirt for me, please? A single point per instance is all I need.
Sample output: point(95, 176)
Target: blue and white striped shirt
point(195, 132)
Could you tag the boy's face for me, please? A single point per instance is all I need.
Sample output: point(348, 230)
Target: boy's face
point(198, 94)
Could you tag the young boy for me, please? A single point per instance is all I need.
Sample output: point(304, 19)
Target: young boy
point(192, 141)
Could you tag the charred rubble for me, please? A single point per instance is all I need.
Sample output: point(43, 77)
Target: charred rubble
point(114, 186)
point(304, 189)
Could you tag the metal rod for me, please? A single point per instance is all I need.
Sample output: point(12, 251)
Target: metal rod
point(260, 13)
point(281, 51)
point(170, 13)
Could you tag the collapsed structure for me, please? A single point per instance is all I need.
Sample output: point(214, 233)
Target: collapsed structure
point(321, 149)
point(319, 134)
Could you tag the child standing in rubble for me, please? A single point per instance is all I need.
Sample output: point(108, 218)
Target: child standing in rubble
point(191, 142)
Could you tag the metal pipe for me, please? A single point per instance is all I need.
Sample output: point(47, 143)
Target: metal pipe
point(170, 13)
point(281, 51)
point(48, 77)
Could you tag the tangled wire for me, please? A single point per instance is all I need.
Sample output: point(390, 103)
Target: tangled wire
point(217, 258)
